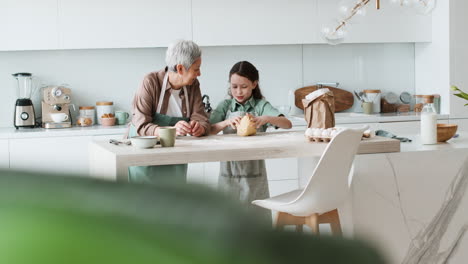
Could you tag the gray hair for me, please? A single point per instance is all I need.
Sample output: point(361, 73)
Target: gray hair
point(184, 52)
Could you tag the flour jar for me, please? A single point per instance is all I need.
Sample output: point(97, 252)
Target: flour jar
point(374, 97)
point(103, 108)
point(88, 112)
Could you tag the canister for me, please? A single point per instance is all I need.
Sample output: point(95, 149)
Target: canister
point(88, 111)
point(103, 108)
point(374, 96)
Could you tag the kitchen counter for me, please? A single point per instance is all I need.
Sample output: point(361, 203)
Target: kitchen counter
point(412, 203)
point(356, 118)
point(11, 133)
point(296, 120)
point(111, 162)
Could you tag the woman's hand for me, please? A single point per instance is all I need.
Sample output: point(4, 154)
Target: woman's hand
point(183, 128)
point(261, 120)
point(196, 129)
point(233, 122)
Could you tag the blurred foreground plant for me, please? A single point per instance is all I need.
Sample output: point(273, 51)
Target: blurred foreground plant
point(49, 220)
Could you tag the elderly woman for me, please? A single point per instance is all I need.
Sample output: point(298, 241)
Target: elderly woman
point(170, 97)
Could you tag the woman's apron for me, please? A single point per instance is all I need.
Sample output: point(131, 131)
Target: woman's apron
point(156, 174)
point(245, 180)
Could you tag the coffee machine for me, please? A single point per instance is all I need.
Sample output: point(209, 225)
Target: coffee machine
point(24, 109)
point(56, 100)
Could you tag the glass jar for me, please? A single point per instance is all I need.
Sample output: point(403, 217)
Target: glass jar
point(88, 112)
point(418, 102)
point(103, 108)
point(428, 121)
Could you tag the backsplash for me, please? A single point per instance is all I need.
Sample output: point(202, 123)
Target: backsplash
point(115, 74)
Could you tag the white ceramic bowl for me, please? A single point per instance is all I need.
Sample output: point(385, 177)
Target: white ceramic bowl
point(144, 141)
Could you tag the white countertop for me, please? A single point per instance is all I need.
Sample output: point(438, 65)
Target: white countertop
point(356, 118)
point(7, 133)
point(297, 120)
point(460, 142)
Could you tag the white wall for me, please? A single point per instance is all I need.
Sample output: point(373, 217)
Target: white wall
point(432, 60)
point(115, 74)
point(458, 55)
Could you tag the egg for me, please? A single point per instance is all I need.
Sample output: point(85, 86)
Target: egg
point(317, 132)
point(326, 133)
point(334, 133)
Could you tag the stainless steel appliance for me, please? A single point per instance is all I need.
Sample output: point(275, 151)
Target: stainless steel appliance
point(24, 109)
point(56, 100)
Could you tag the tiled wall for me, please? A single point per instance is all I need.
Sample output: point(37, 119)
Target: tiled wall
point(114, 74)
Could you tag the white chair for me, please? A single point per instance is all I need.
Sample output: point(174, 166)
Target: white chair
point(325, 191)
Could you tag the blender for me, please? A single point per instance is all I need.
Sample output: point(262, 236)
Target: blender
point(24, 110)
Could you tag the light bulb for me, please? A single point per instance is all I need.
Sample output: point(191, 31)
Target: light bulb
point(333, 33)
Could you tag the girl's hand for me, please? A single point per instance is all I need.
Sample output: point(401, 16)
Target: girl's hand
point(261, 120)
point(182, 128)
point(234, 121)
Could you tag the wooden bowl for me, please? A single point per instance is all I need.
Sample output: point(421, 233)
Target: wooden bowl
point(445, 132)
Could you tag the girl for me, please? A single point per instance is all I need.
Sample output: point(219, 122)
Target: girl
point(245, 179)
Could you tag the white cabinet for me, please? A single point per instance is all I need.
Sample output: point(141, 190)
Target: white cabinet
point(28, 24)
point(122, 23)
point(391, 23)
point(4, 154)
point(260, 22)
point(63, 155)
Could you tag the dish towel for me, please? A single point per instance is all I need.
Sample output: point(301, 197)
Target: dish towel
point(384, 133)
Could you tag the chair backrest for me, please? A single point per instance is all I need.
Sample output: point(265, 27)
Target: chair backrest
point(328, 186)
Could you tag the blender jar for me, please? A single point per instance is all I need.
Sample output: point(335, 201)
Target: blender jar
point(23, 84)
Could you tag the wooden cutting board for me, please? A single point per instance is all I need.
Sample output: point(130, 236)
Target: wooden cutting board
point(343, 99)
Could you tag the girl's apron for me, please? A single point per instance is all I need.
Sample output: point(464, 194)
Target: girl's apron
point(155, 174)
point(245, 180)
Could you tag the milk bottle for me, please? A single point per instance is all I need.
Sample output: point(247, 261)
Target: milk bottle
point(428, 121)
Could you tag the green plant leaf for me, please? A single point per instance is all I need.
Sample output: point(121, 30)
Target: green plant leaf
point(463, 96)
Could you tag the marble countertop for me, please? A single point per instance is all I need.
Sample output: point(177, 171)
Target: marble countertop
point(460, 142)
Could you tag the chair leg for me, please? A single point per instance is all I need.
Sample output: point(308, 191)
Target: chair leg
point(280, 221)
point(283, 219)
point(335, 224)
point(313, 223)
point(333, 219)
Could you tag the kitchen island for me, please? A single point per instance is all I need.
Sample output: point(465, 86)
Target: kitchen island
point(111, 162)
point(414, 203)
point(411, 201)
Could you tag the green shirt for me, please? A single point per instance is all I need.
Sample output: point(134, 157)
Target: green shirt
point(260, 107)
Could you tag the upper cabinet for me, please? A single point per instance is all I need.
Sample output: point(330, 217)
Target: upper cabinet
point(259, 22)
point(28, 24)
point(83, 24)
point(122, 23)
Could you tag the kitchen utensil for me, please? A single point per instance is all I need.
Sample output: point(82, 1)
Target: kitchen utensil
point(121, 117)
point(144, 141)
point(445, 132)
point(343, 99)
point(59, 117)
point(367, 108)
point(24, 109)
point(167, 136)
point(117, 142)
point(358, 97)
point(108, 121)
point(374, 97)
